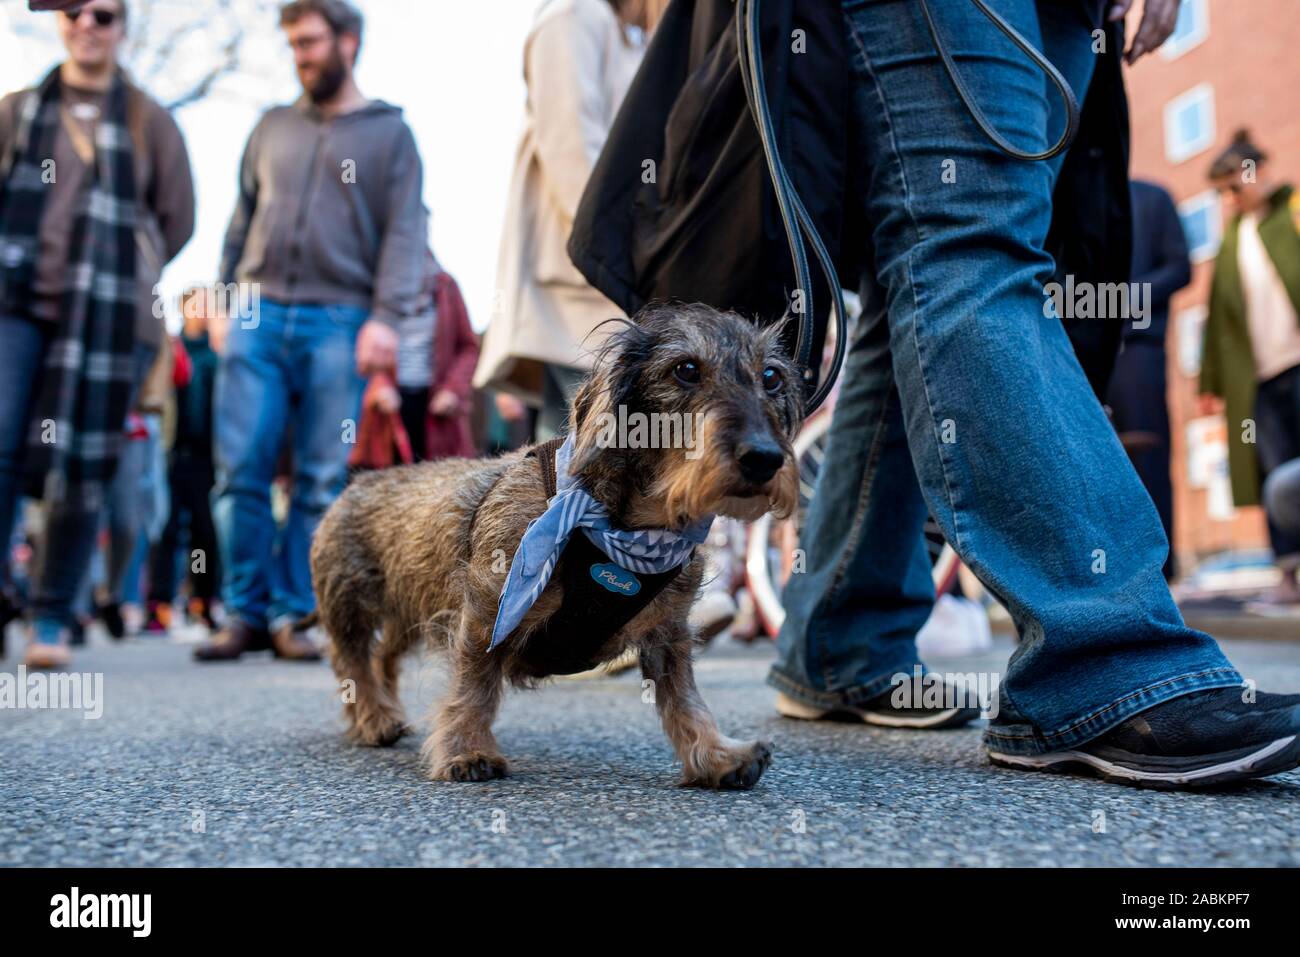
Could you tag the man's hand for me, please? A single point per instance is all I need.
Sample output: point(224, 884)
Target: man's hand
point(376, 348)
point(1158, 19)
point(1207, 404)
point(445, 404)
point(384, 398)
point(218, 330)
point(510, 407)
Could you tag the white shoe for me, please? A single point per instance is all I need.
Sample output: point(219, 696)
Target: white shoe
point(712, 614)
point(956, 628)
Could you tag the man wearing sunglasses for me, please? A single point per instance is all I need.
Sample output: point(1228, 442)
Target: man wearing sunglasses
point(95, 198)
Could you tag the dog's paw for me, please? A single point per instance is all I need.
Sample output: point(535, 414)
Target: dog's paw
point(741, 770)
point(470, 767)
point(377, 734)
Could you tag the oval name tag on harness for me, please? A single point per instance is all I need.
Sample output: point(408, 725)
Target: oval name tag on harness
point(599, 598)
point(616, 578)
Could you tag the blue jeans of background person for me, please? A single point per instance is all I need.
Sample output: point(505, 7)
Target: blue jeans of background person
point(287, 374)
point(960, 398)
point(24, 346)
point(137, 510)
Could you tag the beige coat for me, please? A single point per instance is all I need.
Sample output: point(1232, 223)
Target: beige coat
point(577, 65)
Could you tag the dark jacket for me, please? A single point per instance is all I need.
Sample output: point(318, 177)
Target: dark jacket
point(1159, 257)
point(695, 231)
point(194, 402)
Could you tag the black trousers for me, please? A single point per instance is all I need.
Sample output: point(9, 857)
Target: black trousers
point(1138, 399)
point(1277, 435)
point(414, 411)
point(191, 481)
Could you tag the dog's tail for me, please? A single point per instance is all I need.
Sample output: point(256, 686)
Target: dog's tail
point(307, 621)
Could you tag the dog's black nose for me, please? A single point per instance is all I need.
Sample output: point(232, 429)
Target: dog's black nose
point(759, 460)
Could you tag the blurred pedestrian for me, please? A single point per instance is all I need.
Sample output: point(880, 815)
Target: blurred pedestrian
point(96, 198)
point(1250, 365)
point(329, 230)
point(1138, 394)
point(191, 475)
point(139, 500)
point(579, 59)
point(421, 412)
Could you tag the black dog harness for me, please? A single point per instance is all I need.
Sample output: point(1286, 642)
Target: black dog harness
point(599, 598)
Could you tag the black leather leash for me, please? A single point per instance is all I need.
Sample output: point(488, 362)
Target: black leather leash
point(1040, 61)
point(798, 223)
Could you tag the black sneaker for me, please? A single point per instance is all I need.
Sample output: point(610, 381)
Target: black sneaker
point(10, 611)
point(1196, 740)
point(110, 614)
point(880, 711)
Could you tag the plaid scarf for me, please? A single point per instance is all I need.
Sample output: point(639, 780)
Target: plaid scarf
point(648, 551)
point(76, 431)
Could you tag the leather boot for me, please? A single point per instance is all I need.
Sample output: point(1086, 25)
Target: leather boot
point(293, 645)
point(231, 642)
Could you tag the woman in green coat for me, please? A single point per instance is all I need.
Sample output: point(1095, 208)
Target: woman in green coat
point(1251, 359)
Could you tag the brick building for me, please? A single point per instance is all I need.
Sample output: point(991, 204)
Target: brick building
point(1229, 64)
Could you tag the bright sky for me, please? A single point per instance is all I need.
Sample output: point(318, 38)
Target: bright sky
point(455, 67)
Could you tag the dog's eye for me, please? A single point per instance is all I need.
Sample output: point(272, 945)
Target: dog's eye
point(772, 378)
point(687, 373)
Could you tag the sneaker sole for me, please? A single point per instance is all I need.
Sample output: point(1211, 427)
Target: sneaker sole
point(1274, 758)
point(948, 718)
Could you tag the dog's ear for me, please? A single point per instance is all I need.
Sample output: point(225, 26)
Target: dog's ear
point(613, 382)
point(587, 417)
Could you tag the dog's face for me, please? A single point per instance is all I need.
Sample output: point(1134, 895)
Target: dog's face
point(689, 411)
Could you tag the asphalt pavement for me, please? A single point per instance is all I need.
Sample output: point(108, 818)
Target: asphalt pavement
point(245, 764)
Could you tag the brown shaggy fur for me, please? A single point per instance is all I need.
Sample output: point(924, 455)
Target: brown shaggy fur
point(420, 553)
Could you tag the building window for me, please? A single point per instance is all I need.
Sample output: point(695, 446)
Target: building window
point(1189, 123)
point(1191, 29)
point(1202, 224)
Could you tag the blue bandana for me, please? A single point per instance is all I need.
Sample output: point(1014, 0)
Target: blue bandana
point(648, 551)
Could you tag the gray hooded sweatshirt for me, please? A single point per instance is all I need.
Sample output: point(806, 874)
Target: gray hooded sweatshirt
point(330, 212)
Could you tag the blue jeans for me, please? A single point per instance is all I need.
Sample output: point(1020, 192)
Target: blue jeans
point(291, 370)
point(961, 399)
point(136, 511)
point(67, 547)
point(24, 345)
